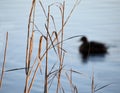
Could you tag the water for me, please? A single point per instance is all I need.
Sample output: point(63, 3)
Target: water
point(98, 20)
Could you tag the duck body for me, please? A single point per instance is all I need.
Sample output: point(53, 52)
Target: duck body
point(92, 48)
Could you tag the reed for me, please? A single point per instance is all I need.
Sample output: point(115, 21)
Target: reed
point(29, 47)
point(93, 84)
point(4, 62)
point(56, 43)
point(53, 40)
point(94, 87)
point(61, 53)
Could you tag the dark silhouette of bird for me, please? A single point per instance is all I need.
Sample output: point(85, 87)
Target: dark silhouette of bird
point(91, 48)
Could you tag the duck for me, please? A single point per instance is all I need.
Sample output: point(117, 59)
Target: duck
point(91, 48)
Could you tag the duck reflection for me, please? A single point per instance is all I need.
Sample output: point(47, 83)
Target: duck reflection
point(91, 49)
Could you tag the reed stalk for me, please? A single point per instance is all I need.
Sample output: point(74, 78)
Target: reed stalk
point(28, 36)
point(67, 19)
point(73, 87)
point(47, 42)
point(61, 53)
point(48, 39)
point(39, 63)
point(29, 47)
point(56, 43)
point(4, 62)
point(92, 85)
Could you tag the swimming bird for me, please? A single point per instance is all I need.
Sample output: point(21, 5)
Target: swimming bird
point(91, 48)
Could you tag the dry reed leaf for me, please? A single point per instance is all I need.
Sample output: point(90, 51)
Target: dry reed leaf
point(56, 3)
point(15, 69)
point(31, 44)
point(32, 66)
point(73, 87)
point(43, 8)
point(39, 50)
point(51, 79)
point(103, 87)
point(39, 65)
point(54, 74)
point(37, 29)
point(50, 38)
point(52, 68)
point(74, 71)
point(33, 78)
point(40, 46)
point(53, 22)
point(76, 3)
point(67, 39)
point(69, 79)
point(58, 46)
point(32, 81)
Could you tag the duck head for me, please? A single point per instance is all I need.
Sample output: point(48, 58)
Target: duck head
point(84, 39)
